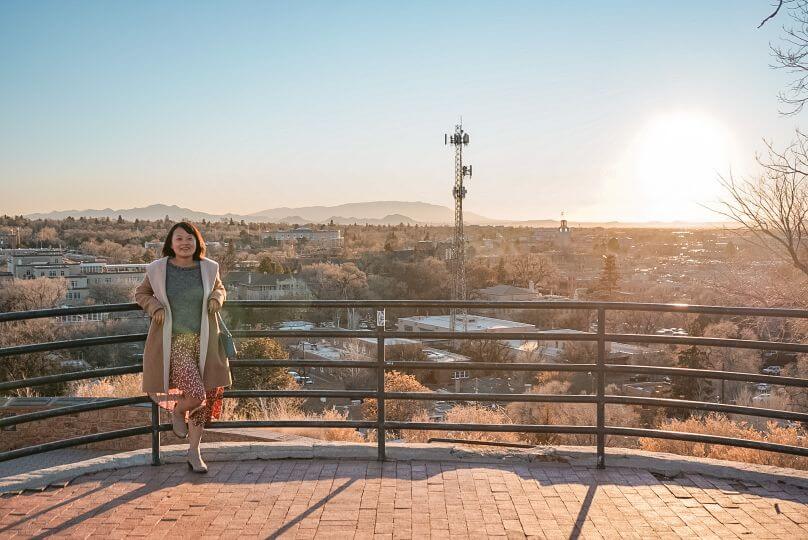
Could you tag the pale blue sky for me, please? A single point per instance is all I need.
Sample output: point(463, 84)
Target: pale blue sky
point(242, 106)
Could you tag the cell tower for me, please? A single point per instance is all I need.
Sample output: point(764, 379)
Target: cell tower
point(458, 259)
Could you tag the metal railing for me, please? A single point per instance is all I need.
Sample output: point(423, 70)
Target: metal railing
point(600, 369)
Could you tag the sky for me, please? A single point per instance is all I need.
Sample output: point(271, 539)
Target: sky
point(601, 110)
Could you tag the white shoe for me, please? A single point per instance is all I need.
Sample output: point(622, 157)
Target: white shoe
point(199, 467)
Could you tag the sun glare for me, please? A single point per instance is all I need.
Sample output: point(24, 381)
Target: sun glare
point(675, 160)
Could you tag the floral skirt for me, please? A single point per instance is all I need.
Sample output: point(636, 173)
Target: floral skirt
point(185, 380)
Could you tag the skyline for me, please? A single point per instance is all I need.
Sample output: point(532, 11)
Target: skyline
point(587, 112)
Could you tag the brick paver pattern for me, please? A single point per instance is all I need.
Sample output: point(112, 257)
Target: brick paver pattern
point(359, 499)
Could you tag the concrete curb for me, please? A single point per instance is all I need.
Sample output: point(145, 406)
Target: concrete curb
point(669, 465)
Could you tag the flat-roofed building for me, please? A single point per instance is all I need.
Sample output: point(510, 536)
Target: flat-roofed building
point(263, 286)
point(324, 237)
point(472, 323)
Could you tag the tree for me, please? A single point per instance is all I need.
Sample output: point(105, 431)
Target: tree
point(794, 56)
point(425, 279)
point(25, 295)
point(399, 409)
point(774, 205)
point(268, 265)
point(691, 388)
point(28, 294)
point(730, 358)
point(227, 260)
point(260, 378)
point(47, 235)
point(112, 293)
point(607, 282)
point(535, 267)
point(336, 281)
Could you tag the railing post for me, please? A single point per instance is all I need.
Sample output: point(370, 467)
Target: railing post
point(601, 392)
point(155, 433)
point(381, 434)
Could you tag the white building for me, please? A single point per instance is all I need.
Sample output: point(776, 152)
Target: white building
point(34, 263)
point(52, 263)
point(260, 286)
point(475, 323)
point(324, 237)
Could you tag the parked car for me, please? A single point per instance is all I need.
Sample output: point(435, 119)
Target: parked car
point(772, 370)
point(763, 388)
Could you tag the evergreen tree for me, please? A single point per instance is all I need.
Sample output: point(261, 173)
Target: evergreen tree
point(691, 388)
point(607, 282)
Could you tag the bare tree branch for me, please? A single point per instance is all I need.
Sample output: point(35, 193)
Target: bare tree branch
point(773, 15)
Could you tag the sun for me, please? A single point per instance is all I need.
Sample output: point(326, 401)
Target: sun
point(674, 163)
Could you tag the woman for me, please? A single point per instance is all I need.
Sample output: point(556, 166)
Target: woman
point(184, 365)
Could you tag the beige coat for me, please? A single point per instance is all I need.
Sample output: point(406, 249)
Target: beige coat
point(151, 296)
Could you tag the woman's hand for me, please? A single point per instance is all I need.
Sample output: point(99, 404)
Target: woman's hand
point(213, 306)
point(159, 316)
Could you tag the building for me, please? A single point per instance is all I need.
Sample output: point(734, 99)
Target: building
point(81, 271)
point(247, 265)
point(331, 238)
point(508, 293)
point(10, 239)
point(78, 290)
point(241, 285)
point(472, 323)
point(34, 263)
point(114, 274)
point(560, 237)
point(475, 323)
point(563, 237)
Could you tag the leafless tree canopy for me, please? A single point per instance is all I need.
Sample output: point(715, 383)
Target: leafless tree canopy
point(792, 54)
point(774, 206)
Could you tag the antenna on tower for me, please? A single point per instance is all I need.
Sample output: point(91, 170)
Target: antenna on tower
point(458, 139)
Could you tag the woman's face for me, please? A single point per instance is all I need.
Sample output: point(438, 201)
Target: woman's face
point(183, 243)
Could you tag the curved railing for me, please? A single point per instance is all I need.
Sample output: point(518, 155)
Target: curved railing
point(600, 369)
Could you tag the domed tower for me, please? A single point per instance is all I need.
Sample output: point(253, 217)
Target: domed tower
point(564, 235)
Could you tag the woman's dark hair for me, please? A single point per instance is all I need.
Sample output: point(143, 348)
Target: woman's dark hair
point(190, 228)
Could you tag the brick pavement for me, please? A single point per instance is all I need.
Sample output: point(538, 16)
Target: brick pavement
point(406, 499)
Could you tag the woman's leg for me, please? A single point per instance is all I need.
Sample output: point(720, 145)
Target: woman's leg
point(187, 403)
point(184, 375)
point(196, 427)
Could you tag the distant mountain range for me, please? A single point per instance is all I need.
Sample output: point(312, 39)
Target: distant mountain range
point(373, 213)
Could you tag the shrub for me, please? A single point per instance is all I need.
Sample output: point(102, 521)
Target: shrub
point(718, 424)
point(397, 409)
point(119, 386)
point(465, 414)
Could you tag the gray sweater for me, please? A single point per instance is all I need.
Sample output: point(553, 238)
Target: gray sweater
point(185, 293)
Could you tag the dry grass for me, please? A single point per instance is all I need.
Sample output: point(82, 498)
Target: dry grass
point(289, 409)
point(465, 414)
point(537, 413)
point(720, 425)
point(118, 386)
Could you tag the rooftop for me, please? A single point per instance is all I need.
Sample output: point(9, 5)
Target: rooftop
point(475, 322)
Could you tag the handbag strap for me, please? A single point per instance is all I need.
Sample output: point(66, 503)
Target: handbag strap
point(222, 326)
